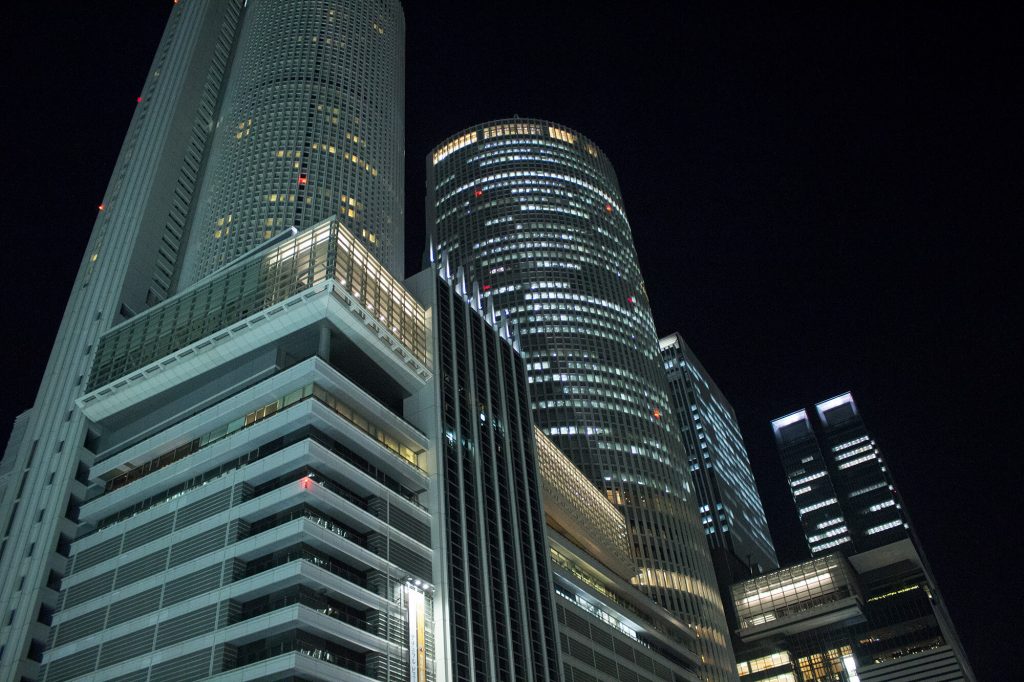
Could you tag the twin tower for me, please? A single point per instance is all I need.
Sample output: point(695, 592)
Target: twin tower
point(262, 116)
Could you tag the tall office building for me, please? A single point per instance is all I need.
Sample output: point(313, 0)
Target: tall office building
point(533, 212)
point(255, 117)
point(895, 624)
point(843, 491)
point(493, 582)
point(874, 616)
point(730, 505)
point(311, 124)
point(256, 504)
point(336, 476)
point(608, 629)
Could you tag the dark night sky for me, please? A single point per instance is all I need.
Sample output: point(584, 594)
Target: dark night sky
point(821, 198)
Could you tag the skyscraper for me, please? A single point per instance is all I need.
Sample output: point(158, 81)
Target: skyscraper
point(730, 505)
point(321, 122)
point(311, 123)
point(866, 607)
point(533, 212)
point(870, 617)
point(491, 560)
point(256, 498)
point(843, 491)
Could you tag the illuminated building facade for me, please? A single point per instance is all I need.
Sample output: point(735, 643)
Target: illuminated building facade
point(128, 263)
point(255, 505)
point(227, 149)
point(875, 615)
point(730, 505)
point(493, 579)
point(311, 125)
point(868, 617)
point(842, 489)
point(607, 628)
point(532, 211)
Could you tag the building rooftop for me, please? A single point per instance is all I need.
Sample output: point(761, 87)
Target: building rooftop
point(257, 282)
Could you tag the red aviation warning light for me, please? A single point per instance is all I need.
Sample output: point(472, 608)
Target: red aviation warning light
point(478, 192)
point(608, 208)
point(307, 482)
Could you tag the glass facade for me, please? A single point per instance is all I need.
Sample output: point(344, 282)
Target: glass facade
point(532, 212)
point(794, 590)
point(842, 489)
point(328, 252)
point(872, 616)
point(496, 591)
point(580, 511)
point(275, 515)
point(730, 505)
point(316, 130)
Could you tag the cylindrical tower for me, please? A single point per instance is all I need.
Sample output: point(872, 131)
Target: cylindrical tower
point(315, 130)
point(532, 211)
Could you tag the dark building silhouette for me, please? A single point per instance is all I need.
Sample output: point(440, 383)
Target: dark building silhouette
point(843, 491)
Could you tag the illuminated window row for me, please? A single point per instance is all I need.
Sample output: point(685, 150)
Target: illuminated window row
point(338, 406)
point(894, 593)
point(883, 527)
point(593, 300)
point(530, 230)
point(453, 146)
point(851, 453)
point(598, 370)
point(558, 313)
point(515, 180)
point(505, 129)
point(535, 249)
point(573, 430)
point(584, 331)
point(637, 450)
point(763, 663)
point(495, 159)
point(515, 144)
point(561, 134)
point(859, 460)
point(818, 505)
point(849, 443)
point(807, 479)
point(868, 489)
point(522, 234)
point(497, 221)
point(534, 174)
point(497, 150)
point(574, 259)
point(590, 381)
point(626, 406)
point(827, 534)
point(835, 664)
point(553, 208)
point(829, 545)
point(560, 160)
